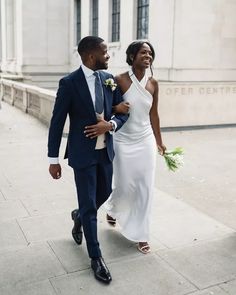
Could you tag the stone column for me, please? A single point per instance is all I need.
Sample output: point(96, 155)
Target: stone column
point(10, 29)
point(3, 35)
point(0, 37)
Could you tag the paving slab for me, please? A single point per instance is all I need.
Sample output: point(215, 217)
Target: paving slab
point(73, 257)
point(13, 193)
point(192, 222)
point(206, 264)
point(189, 226)
point(111, 235)
point(31, 264)
point(38, 288)
point(229, 287)
point(206, 181)
point(46, 227)
point(32, 185)
point(143, 275)
point(11, 210)
point(209, 291)
point(11, 236)
point(113, 245)
point(50, 203)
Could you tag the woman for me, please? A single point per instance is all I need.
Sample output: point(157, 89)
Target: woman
point(135, 148)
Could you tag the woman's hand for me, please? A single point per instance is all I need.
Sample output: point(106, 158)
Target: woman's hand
point(161, 149)
point(122, 108)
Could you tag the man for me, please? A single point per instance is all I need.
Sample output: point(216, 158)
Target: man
point(88, 96)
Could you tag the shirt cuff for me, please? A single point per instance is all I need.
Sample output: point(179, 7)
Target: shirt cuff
point(53, 160)
point(114, 125)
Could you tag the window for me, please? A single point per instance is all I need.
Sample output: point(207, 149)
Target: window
point(115, 36)
point(142, 20)
point(95, 17)
point(78, 19)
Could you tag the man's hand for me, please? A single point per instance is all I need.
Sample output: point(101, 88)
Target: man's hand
point(55, 171)
point(101, 127)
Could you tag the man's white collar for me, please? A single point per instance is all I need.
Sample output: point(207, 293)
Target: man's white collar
point(87, 71)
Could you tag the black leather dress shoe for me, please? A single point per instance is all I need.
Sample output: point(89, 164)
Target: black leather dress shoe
point(77, 233)
point(101, 271)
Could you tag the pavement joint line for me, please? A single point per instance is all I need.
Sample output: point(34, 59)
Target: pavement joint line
point(199, 242)
point(113, 262)
point(51, 284)
point(28, 242)
point(229, 281)
point(212, 286)
point(54, 253)
point(22, 203)
point(7, 180)
point(162, 243)
point(162, 258)
point(182, 275)
point(194, 292)
point(2, 195)
point(41, 215)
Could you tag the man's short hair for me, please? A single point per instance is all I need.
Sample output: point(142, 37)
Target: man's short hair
point(89, 44)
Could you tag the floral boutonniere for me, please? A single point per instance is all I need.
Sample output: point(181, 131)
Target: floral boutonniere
point(110, 82)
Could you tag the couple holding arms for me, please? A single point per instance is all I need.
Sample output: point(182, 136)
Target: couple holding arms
point(98, 107)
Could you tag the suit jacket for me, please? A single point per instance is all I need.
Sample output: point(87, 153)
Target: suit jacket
point(73, 98)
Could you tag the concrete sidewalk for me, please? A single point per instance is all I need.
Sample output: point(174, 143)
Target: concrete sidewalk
point(193, 221)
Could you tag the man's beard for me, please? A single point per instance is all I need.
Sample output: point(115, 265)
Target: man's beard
point(100, 65)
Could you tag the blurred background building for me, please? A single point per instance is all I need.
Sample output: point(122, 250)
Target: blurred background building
point(195, 43)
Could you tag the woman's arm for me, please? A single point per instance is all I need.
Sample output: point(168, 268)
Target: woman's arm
point(123, 81)
point(121, 108)
point(154, 118)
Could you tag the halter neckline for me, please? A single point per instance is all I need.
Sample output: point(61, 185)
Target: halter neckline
point(143, 81)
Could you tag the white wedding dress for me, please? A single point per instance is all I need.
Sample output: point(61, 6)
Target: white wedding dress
point(134, 166)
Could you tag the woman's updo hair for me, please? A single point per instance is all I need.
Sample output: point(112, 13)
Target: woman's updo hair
point(134, 48)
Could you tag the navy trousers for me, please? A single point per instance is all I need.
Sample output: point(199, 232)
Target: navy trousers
point(93, 185)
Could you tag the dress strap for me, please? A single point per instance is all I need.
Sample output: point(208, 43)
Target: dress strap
point(134, 79)
point(140, 85)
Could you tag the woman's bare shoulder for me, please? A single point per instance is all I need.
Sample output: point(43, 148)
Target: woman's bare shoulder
point(124, 81)
point(121, 77)
point(154, 82)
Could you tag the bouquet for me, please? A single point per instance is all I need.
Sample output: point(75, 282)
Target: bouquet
point(174, 158)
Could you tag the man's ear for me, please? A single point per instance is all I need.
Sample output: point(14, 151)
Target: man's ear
point(91, 57)
point(131, 57)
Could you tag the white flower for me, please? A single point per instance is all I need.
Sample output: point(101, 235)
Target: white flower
point(110, 82)
point(174, 158)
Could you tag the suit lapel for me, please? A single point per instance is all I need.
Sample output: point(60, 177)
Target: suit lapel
point(82, 88)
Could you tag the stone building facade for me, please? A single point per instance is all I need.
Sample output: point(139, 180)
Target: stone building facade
point(195, 43)
point(194, 40)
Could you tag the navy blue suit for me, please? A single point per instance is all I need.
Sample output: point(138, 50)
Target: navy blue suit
point(92, 168)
